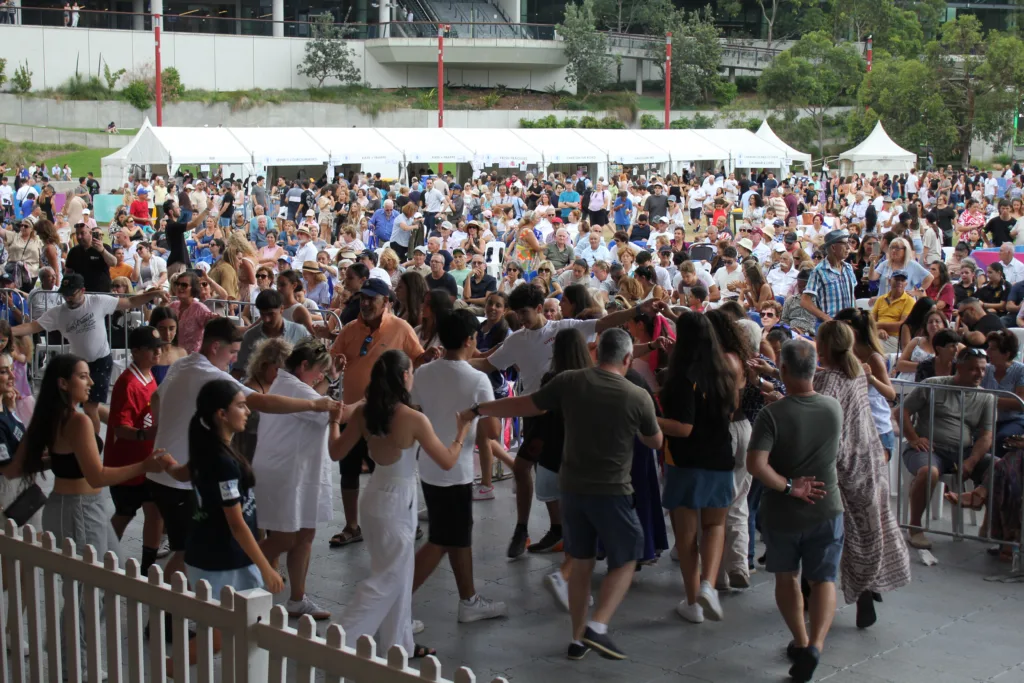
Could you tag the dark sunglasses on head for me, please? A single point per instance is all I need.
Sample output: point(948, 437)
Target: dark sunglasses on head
point(977, 353)
point(365, 348)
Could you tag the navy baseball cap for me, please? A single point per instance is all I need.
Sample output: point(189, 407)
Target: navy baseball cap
point(375, 287)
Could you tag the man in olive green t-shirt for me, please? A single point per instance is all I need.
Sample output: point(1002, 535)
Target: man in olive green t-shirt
point(793, 450)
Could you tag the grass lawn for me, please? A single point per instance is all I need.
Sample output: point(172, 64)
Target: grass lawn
point(82, 161)
point(650, 102)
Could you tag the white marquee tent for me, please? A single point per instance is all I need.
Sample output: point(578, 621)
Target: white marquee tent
point(877, 153)
point(393, 150)
point(766, 133)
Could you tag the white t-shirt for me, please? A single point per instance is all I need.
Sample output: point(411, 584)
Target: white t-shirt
point(531, 350)
point(782, 283)
point(85, 327)
point(703, 276)
point(912, 183)
point(991, 187)
point(696, 199)
point(307, 252)
point(441, 389)
point(178, 393)
point(723, 277)
point(434, 200)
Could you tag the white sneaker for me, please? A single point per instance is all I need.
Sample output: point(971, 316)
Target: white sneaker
point(481, 492)
point(164, 550)
point(708, 599)
point(674, 554)
point(481, 609)
point(559, 588)
point(297, 608)
point(417, 627)
point(692, 613)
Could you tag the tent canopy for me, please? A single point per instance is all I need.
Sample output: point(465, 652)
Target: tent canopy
point(497, 146)
point(284, 147)
point(685, 145)
point(562, 146)
point(877, 153)
point(746, 150)
point(345, 147)
point(423, 146)
point(627, 147)
point(176, 146)
point(766, 133)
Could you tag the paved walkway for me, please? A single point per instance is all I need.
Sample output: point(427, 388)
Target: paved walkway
point(948, 626)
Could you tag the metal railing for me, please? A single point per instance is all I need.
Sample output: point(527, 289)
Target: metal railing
point(957, 527)
point(55, 598)
point(235, 309)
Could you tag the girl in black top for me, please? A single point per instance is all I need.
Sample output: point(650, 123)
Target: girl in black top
point(995, 292)
point(489, 337)
point(698, 398)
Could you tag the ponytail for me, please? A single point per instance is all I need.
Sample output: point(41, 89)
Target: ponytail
point(386, 391)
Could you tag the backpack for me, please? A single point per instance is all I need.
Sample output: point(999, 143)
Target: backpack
point(581, 186)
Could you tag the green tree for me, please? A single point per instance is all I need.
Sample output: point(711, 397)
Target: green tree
point(629, 16)
point(813, 75)
point(905, 95)
point(585, 48)
point(696, 54)
point(976, 72)
point(327, 55)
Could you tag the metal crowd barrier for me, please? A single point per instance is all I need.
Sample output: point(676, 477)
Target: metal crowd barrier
point(325, 313)
point(957, 529)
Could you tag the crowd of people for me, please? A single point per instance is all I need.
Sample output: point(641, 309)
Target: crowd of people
point(721, 350)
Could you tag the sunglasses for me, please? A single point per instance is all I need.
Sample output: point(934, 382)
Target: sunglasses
point(365, 348)
point(767, 314)
point(977, 353)
point(182, 285)
point(543, 270)
point(262, 277)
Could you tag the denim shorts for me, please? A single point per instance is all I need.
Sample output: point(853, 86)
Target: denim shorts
point(815, 552)
point(587, 518)
point(888, 441)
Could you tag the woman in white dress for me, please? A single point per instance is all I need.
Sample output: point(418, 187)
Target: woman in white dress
point(292, 462)
point(394, 433)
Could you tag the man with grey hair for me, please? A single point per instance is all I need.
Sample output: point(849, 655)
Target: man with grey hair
point(792, 451)
point(595, 480)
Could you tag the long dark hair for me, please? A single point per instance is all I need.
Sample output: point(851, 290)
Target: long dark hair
point(203, 441)
point(918, 315)
point(415, 293)
point(501, 329)
point(161, 313)
point(440, 303)
point(729, 337)
point(46, 423)
point(570, 352)
point(386, 390)
point(583, 305)
point(701, 362)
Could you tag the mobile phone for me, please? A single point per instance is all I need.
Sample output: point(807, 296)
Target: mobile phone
point(876, 248)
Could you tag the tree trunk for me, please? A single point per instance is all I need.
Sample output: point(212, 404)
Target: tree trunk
point(967, 130)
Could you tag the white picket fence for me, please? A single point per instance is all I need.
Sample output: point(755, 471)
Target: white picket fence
point(257, 643)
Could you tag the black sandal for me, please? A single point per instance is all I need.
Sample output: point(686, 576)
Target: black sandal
point(346, 537)
point(420, 651)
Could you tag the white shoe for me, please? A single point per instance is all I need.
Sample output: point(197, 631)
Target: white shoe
point(417, 627)
point(297, 608)
point(559, 588)
point(481, 492)
point(422, 515)
point(692, 613)
point(164, 550)
point(481, 609)
point(708, 599)
point(674, 554)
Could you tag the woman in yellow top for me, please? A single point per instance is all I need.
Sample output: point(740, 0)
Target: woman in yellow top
point(528, 249)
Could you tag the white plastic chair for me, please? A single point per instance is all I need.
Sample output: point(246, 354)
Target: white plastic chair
point(494, 256)
point(1019, 334)
point(946, 253)
point(864, 304)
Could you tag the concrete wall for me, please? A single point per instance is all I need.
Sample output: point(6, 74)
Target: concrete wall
point(16, 133)
point(225, 63)
point(54, 114)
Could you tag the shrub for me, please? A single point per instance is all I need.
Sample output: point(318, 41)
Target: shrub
point(21, 82)
point(79, 87)
point(589, 122)
point(568, 123)
point(746, 83)
point(724, 92)
point(138, 95)
point(112, 77)
point(171, 84)
point(651, 122)
point(612, 122)
point(3, 71)
point(701, 121)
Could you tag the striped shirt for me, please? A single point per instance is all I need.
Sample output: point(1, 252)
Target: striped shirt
point(831, 288)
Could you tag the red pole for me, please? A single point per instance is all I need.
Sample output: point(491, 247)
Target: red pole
point(870, 41)
point(158, 10)
point(668, 76)
point(440, 83)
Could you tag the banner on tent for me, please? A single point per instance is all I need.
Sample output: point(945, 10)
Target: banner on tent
point(503, 163)
point(757, 161)
point(355, 158)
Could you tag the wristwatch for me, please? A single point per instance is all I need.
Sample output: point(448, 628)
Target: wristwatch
point(140, 434)
point(789, 487)
point(475, 409)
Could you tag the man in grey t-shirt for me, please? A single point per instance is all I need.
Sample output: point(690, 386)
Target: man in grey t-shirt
point(595, 482)
point(793, 450)
point(934, 446)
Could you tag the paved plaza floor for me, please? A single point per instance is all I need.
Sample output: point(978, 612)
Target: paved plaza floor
point(949, 626)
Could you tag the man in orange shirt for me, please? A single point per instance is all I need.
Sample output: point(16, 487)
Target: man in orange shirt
point(356, 349)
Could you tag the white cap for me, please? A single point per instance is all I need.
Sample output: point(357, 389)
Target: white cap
point(417, 215)
point(487, 213)
point(447, 226)
point(779, 247)
point(189, 186)
point(310, 212)
point(86, 212)
point(663, 219)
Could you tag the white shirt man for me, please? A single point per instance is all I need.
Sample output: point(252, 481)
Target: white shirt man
point(728, 274)
point(783, 282)
point(913, 182)
point(1013, 270)
point(434, 199)
point(593, 250)
point(696, 198)
point(991, 186)
point(307, 251)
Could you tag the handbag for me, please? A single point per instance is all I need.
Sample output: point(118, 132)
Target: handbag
point(28, 503)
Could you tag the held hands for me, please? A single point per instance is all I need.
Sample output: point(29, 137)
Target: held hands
point(463, 420)
point(808, 489)
point(159, 461)
point(325, 405)
point(761, 367)
point(662, 343)
point(433, 353)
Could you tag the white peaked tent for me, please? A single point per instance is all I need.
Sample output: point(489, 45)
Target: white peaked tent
point(877, 153)
point(766, 133)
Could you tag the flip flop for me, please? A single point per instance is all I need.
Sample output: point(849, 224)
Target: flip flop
point(420, 651)
point(345, 537)
point(953, 497)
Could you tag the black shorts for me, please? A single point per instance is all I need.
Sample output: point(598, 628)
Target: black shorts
point(99, 371)
point(695, 214)
point(449, 515)
point(352, 465)
point(128, 499)
point(176, 506)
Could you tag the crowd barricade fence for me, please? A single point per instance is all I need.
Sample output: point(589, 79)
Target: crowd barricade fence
point(54, 594)
point(900, 478)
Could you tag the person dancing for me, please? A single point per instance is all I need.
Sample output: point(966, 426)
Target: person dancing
point(394, 432)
